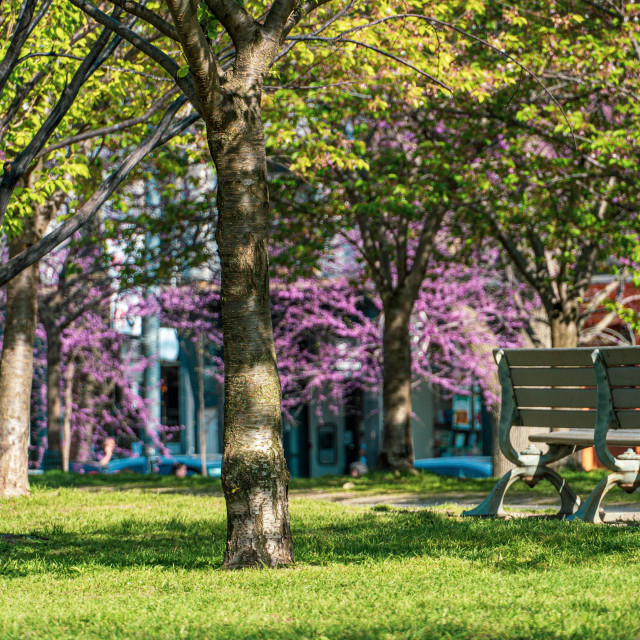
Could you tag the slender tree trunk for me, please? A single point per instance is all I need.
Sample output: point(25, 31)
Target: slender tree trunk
point(16, 373)
point(202, 432)
point(81, 439)
point(66, 423)
point(397, 441)
point(255, 477)
point(54, 368)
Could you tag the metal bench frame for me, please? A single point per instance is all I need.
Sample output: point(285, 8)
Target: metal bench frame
point(532, 464)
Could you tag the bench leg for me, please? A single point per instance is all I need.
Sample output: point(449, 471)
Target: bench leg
point(493, 504)
point(569, 500)
point(591, 510)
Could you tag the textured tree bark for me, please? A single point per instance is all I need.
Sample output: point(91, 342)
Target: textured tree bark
point(255, 478)
point(54, 368)
point(397, 442)
point(66, 423)
point(564, 327)
point(82, 439)
point(16, 371)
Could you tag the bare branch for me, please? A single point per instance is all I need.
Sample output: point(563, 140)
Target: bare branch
point(387, 54)
point(152, 18)
point(309, 87)
point(371, 253)
point(599, 298)
point(20, 35)
point(299, 14)
point(41, 13)
point(114, 128)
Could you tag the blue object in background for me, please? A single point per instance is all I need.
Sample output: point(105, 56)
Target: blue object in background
point(165, 464)
point(457, 466)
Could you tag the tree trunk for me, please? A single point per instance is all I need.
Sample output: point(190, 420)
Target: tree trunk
point(66, 423)
point(202, 432)
point(82, 439)
point(16, 374)
point(54, 368)
point(564, 327)
point(397, 442)
point(255, 477)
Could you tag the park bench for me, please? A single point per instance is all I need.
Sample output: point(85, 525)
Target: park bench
point(594, 394)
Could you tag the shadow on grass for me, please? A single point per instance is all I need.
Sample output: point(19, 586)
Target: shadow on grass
point(375, 482)
point(353, 537)
point(126, 482)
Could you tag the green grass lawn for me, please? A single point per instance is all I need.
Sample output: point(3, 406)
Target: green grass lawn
point(144, 561)
point(428, 485)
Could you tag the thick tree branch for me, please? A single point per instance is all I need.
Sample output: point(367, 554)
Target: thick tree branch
point(41, 12)
point(371, 253)
point(383, 249)
point(278, 16)
point(238, 22)
point(202, 62)
point(162, 134)
point(401, 246)
point(415, 276)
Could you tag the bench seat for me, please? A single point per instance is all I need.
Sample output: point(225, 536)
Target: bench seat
point(586, 437)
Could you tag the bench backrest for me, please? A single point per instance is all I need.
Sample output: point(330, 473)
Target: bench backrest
point(557, 387)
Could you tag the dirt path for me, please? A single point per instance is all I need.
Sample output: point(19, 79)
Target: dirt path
point(520, 505)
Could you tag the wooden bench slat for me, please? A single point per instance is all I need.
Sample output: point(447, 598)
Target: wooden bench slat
point(629, 419)
point(578, 377)
point(624, 376)
point(574, 398)
point(574, 418)
point(615, 438)
point(626, 398)
point(580, 357)
point(569, 419)
point(549, 357)
point(617, 356)
point(548, 397)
